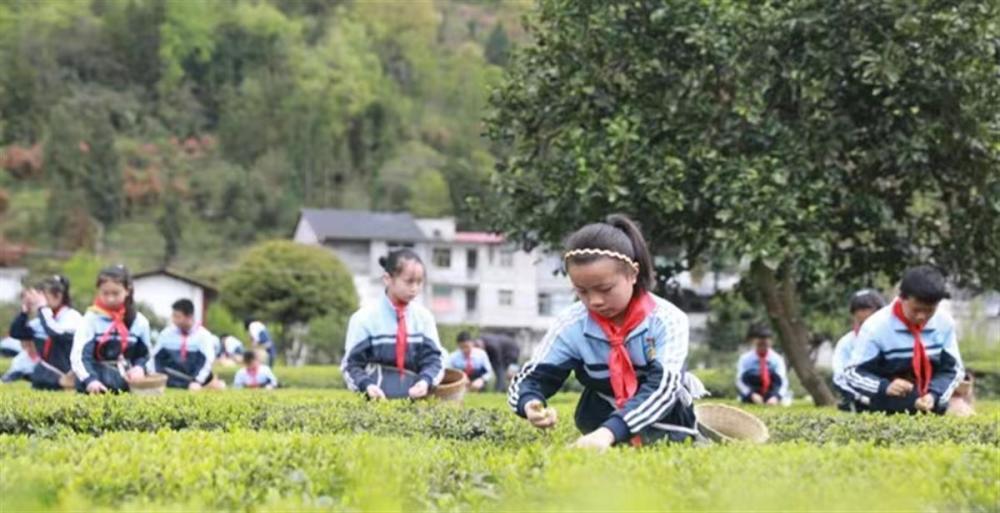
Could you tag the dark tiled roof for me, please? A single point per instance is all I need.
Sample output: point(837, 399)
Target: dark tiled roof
point(362, 225)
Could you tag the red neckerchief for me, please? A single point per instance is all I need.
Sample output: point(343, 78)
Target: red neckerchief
point(468, 365)
point(184, 340)
point(401, 339)
point(252, 372)
point(921, 362)
point(117, 316)
point(620, 371)
point(765, 374)
point(47, 347)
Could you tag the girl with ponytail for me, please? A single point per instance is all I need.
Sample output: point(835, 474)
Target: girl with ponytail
point(626, 346)
point(112, 346)
point(51, 330)
point(392, 348)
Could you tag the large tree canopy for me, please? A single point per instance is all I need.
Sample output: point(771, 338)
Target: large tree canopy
point(290, 283)
point(819, 140)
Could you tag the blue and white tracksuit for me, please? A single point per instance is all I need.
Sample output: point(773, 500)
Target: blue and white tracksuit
point(883, 351)
point(263, 378)
point(481, 366)
point(371, 341)
point(106, 362)
point(21, 367)
point(195, 363)
point(748, 380)
point(852, 399)
point(54, 330)
point(662, 407)
point(229, 346)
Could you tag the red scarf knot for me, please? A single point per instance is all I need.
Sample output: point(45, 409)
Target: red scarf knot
point(401, 335)
point(252, 374)
point(184, 340)
point(623, 380)
point(921, 362)
point(620, 370)
point(117, 315)
point(765, 374)
point(469, 369)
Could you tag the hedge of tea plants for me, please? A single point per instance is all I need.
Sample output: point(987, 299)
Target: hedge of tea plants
point(330, 450)
point(483, 418)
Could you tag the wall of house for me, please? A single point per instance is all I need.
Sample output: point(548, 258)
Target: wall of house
point(554, 284)
point(490, 285)
point(450, 285)
point(160, 292)
point(508, 291)
point(304, 233)
point(441, 229)
point(10, 284)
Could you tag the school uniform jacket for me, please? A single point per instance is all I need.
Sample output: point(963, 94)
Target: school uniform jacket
point(748, 375)
point(883, 351)
point(371, 340)
point(92, 360)
point(657, 348)
point(264, 377)
point(260, 336)
point(52, 333)
point(195, 361)
point(229, 346)
point(481, 367)
point(21, 367)
point(841, 355)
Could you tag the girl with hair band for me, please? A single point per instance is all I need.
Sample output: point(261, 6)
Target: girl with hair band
point(52, 330)
point(112, 346)
point(392, 347)
point(625, 345)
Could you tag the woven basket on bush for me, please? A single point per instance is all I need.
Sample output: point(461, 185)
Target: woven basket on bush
point(452, 387)
point(722, 423)
point(151, 384)
point(963, 399)
point(68, 381)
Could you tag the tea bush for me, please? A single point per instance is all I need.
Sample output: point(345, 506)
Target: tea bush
point(484, 417)
point(323, 450)
point(718, 381)
point(261, 471)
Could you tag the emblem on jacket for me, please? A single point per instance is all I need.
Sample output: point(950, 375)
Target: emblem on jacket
point(649, 348)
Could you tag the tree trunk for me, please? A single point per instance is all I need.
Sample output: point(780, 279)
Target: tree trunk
point(298, 354)
point(98, 237)
point(782, 303)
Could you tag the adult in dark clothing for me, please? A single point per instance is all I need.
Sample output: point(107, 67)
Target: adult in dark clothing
point(504, 355)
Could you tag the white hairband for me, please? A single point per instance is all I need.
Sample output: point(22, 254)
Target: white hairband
point(602, 252)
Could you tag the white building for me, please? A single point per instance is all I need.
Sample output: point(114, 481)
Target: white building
point(10, 284)
point(161, 288)
point(472, 277)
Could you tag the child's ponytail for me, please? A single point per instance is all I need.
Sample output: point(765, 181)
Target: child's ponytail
point(58, 284)
point(640, 251)
point(130, 310)
point(392, 263)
